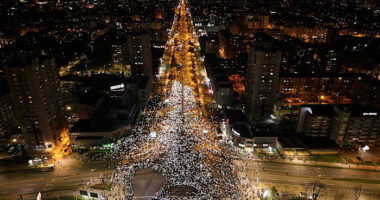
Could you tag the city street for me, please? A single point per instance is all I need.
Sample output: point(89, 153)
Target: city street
point(190, 99)
point(146, 184)
point(176, 132)
point(287, 178)
point(64, 180)
point(291, 179)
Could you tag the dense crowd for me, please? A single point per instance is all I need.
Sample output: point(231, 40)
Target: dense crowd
point(173, 138)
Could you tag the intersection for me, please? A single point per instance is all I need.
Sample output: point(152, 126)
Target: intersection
point(176, 134)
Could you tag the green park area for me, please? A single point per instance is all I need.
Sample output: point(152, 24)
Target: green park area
point(65, 198)
point(333, 158)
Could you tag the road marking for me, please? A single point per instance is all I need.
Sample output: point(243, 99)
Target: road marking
point(347, 186)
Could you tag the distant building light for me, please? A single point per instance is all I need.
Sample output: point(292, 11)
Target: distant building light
point(158, 46)
point(117, 87)
point(370, 114)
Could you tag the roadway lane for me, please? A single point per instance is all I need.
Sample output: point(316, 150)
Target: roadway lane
point(63, 180)
point(147, 184)
point(305, 170)
point(293, 178)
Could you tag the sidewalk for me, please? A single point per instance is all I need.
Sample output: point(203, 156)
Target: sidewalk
point(325, 164)
point(24, 166)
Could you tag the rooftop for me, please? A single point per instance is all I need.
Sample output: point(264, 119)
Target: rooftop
point(360, 110)
point(321, 75)
point(266, 43)
point(109, 117)
point(242, 130)
point(320, 109)
point(296, 141)
point(235, 116)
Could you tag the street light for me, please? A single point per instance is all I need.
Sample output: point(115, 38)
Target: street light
point(153, 134)
point(266, 193)
point(365, 148)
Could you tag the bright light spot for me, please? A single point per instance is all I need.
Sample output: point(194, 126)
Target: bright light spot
point(153, 134)
point(235, 132)
point(207, 80)
point(117, 87)
point(62, 147)
point(266, 193)
point(366, 148)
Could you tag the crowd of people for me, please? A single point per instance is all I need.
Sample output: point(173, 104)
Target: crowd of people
point(175, 135)
point(173, 138)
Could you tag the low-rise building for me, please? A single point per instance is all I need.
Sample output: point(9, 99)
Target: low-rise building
point(223, 91)
point(347, 125)
point(315, 120)
point(109, 124)
point(356, 125)
point(242, 136)
point(7, 115)
point(144, 88)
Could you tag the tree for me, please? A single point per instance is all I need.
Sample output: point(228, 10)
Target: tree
point(339, 195)
point(315, 189)
point(273, 193)
point(358, 191)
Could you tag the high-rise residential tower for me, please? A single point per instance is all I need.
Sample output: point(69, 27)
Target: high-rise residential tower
point(140, 54)
point(34, 88)
point(264, 59)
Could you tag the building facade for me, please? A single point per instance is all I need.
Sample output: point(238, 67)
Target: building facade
point(140, 54)
point(264, 59)
point(7, 117)
point(316, 120)
point(348, 125)
point(356, 125)
point(36, 96)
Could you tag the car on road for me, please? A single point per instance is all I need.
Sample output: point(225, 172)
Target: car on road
point(46, 167)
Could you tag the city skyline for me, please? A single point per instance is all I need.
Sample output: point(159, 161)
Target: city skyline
point(189, 99)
